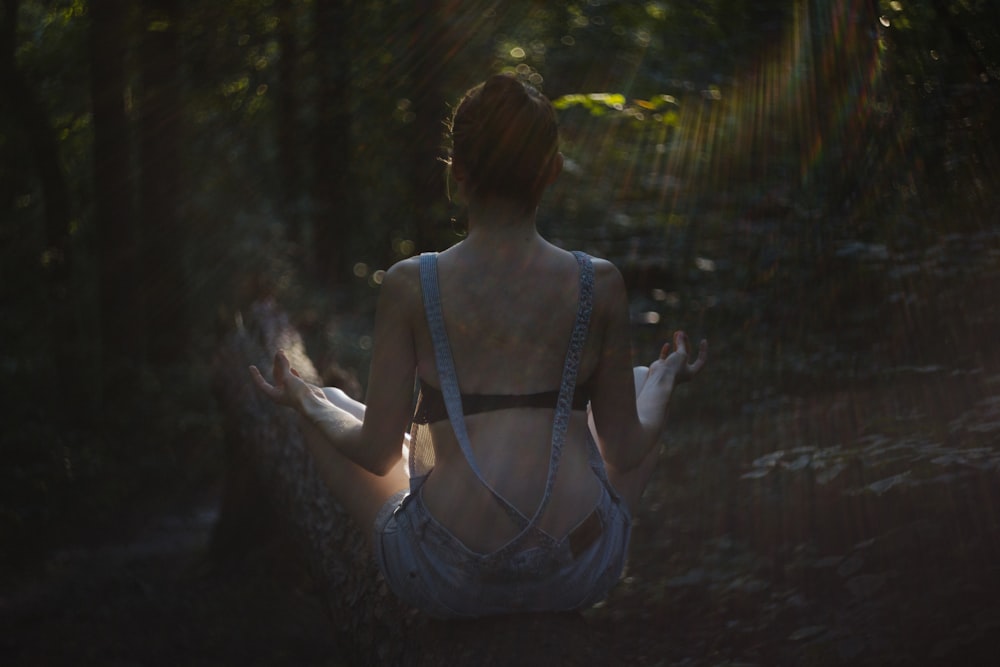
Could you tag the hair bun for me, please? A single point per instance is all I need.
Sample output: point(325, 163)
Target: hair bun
point(504, 135)
point(503, 86)
point(503, 90)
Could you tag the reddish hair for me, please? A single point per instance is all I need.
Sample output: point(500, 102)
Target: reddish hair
point(504, 137)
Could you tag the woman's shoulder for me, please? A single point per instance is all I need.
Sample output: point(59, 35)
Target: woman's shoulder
point(404, 269)
point(607, 277)
point(609, 288)
point(604, 268)
point(402, 280)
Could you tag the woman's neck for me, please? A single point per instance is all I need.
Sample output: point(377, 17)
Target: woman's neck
point(501, 221)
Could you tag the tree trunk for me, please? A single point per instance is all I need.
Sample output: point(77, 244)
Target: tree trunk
point(335, 220)
point(164, 231)
point(268, 460)
point(117, 240)
point(287, 122)
point(432, 43)
point(30, 114)
point(266, 455)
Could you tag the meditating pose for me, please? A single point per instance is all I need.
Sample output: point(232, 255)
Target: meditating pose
point(533, 437)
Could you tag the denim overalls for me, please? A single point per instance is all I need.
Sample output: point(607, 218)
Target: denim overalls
point(429, 568)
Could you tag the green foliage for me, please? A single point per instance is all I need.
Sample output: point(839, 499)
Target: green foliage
point(942, 61)
point(661, 108)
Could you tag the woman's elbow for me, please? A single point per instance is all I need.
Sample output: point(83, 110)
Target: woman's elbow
point(625, 448)
point(382, 459)
point(623, 463)
point(379, 450)
point(624, 458)
point(383, 467)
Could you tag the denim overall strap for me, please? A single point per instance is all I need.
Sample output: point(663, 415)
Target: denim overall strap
point(448, 377)
point(564, 405)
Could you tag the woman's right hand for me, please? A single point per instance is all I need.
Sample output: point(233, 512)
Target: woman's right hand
point(288, 388)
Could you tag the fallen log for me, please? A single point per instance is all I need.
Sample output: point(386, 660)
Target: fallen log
point(269, 472)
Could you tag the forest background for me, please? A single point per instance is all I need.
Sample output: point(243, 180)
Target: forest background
point(811, 184)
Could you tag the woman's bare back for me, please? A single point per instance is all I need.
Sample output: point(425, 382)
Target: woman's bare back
point(509, 328)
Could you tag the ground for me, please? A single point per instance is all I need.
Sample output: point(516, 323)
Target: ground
point(154, 599)
point(870, 537)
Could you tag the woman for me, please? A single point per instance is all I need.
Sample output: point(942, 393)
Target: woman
point(533, 437)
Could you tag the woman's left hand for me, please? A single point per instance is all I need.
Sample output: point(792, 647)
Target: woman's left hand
point(672, 367)
point(676, 363)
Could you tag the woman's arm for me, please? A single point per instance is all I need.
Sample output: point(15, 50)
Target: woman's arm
point(375, 443)
point(629, 426)
point(394, 365)
point(621, 435)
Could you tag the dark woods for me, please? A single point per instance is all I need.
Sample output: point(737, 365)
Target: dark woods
point(812, 184)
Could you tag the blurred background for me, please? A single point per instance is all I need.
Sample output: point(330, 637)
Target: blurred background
point(810, 184)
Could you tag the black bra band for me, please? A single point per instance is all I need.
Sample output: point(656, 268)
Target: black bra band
point(431, 407)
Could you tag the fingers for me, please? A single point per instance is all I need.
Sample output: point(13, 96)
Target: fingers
point(703, 351)
point(281, 365)
point(283, 370)
point(702, 358)
point(257, 378)
point(262, 384)
point(678, 358)
point(680, 341)
point(686, 371)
